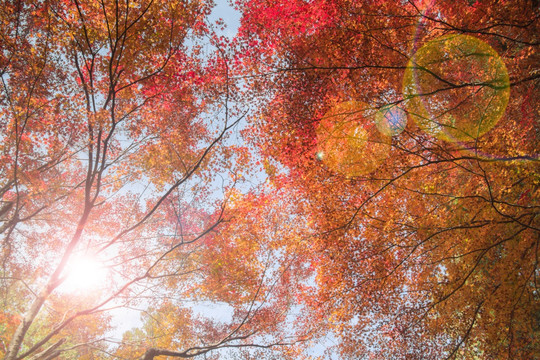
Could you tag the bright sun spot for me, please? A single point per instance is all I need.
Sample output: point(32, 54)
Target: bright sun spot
point(84, 273)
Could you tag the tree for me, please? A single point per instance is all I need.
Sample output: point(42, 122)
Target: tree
point(114, 118)
point(424, 238)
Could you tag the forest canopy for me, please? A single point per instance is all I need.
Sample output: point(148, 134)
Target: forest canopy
point(339, 179)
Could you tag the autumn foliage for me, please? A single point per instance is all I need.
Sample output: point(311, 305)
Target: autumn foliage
point(429, 251)
point(115, 118)
point(356, 179)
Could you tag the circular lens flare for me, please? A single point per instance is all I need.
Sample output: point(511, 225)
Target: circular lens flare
point(391, 120)
point(348, 140)
point(457, 88)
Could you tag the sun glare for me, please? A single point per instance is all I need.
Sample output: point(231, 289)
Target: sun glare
point(84, 273)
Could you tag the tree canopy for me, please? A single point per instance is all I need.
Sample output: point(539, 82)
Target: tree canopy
point(356, 179)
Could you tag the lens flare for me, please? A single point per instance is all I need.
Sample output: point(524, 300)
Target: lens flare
point(457, 88)
point(350, 141)
point(391, 120)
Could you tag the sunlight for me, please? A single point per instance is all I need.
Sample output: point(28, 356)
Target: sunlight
point(84, 274)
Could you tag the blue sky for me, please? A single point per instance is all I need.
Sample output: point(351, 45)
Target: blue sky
point(230, 16)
